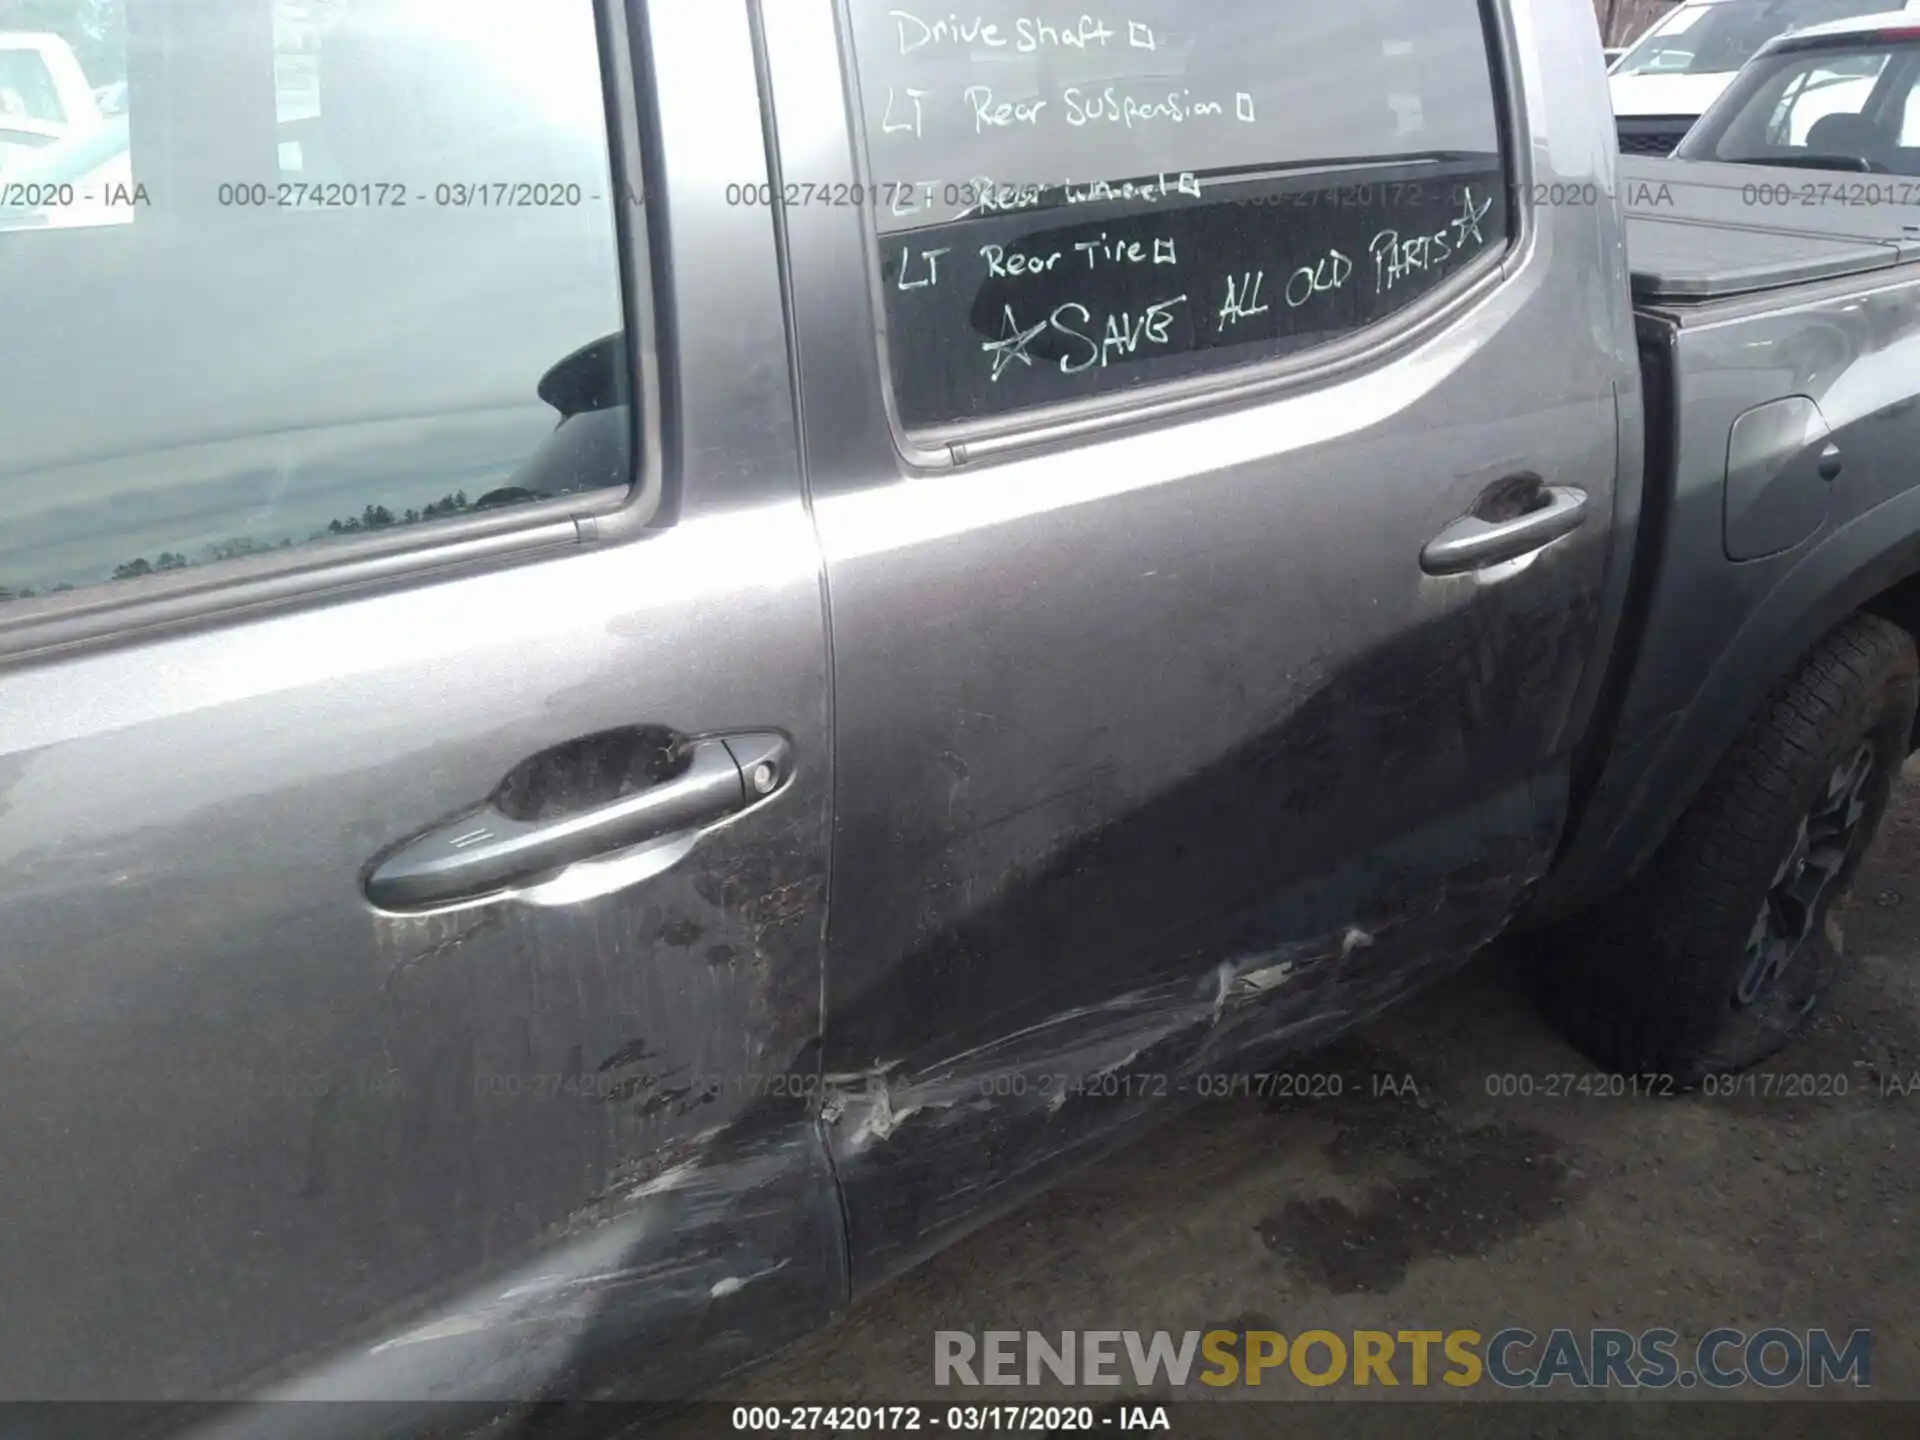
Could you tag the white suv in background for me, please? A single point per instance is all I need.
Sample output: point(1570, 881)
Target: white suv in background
point(1669, 77)
point(44, 94)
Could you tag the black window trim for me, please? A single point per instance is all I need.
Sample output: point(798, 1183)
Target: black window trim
point(146, 607)
point(959, 443)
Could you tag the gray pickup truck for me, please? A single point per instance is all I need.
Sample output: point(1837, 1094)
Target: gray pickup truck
point(655, 654)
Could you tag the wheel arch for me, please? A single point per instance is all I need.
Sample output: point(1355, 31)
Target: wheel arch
point(1645, 784)
point(1900, 603)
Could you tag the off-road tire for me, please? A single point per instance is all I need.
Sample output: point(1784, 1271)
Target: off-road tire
point(1648, 982)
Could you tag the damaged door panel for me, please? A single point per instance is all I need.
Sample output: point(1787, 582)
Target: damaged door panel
point(412, 990)
point(351, 1110)
point(1164, 751)
point(1290, 966)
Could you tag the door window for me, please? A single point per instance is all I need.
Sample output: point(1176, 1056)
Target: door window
point(282, 271)
point(1074, 202)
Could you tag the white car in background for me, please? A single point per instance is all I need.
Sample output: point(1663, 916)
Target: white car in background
point(76, 183)
point(1667, 79)
point(55, 134)
point(45, 96)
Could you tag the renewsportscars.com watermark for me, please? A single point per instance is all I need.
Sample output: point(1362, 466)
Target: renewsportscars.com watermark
point(1513, 1359)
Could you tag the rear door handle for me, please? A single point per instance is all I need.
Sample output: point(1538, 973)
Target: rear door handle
point(1471, 543)
point(487, 850)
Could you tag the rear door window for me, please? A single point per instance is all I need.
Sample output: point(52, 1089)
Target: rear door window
point(1072, 202)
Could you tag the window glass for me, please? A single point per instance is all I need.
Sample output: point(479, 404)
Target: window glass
point(1910, 117)
point(276, 271)
point(1832, 109)
point(1842, 86)
point(1073, 200)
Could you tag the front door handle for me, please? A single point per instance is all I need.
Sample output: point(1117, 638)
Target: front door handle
point(1472, 543)
point(487, 850)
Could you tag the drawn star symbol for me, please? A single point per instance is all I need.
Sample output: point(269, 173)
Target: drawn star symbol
point(1469, 221)
point(1012, 344)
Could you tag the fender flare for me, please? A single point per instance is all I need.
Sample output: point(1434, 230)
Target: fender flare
point(1629, 815)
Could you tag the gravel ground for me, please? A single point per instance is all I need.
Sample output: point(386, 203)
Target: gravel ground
point(1451, 1205)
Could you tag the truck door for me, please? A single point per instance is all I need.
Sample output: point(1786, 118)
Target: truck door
point(413, 763)
point(1217, 536)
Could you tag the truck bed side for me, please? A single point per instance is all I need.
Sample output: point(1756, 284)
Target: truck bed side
point(1779, 345)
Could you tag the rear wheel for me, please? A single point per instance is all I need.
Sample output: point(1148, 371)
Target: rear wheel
point(1717, 953)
